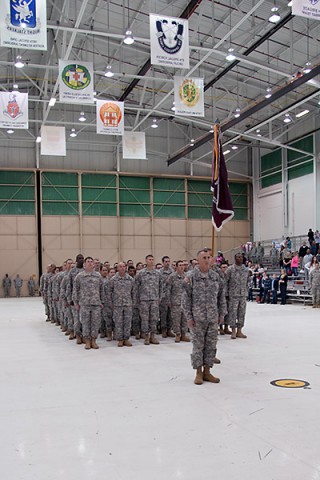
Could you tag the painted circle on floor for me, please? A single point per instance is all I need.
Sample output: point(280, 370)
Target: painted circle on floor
point(289, 383)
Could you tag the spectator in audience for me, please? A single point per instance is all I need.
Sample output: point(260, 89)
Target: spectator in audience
point(275, 288)
point(274, 254)
point(310, 236)
point(295, 264)
point(287, 262)
point(317, 239)
point(302, 251)
point(260, 252)
point(283, 282)
point(313, 249)
point(289, 243)
point(306, 259)
point(266, 284)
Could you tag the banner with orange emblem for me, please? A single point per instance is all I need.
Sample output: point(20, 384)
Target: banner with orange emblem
point(110, 117)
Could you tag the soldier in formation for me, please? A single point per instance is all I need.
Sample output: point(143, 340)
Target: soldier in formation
point(165, 311)
point(75, 324)
point(174, 289)
point(6, 283)
point(31, 286)
point(17, 285)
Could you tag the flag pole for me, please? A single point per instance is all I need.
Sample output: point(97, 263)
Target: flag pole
point(216, 129)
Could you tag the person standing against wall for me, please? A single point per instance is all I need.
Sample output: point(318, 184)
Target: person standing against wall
point(283, 282)
point(31, 286)
point(6, 283)
point(17, 285)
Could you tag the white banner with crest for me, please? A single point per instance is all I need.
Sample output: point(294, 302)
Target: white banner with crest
point(23, 24)
point(306, 8)
point(188, 96)
point(110, 117)
point(14, 110)
point(169, 39)
point(134, 145)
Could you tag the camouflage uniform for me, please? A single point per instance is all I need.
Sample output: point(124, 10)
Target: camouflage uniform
point(31, 287)
point(6, 283)
point(174, 289)
point(236, 291)
point(47, 293)
point(18, 284)
point(148, 294)
point(253, 254)
point(75, 323)
point(106, 314)
point(165, 313)
point(315, 287)
point(120, 292)
point(65, 309)
point(87, 292)
point(43, 285)
point(56, 280)
point(274, 255)
point(260, 253)
point(203, 301)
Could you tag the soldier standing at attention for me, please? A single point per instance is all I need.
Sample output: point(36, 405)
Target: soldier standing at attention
point(260, 253)
point(203, 302)
point(6, 283)
point(165, 313)
point(87, 299)
point(174, 289)
point(18, 284)
point(43, 286)
point(119, 296)
point(65, 310)
point(148, 294)
point(75, 325)
point(236, 290)
point(31, 286)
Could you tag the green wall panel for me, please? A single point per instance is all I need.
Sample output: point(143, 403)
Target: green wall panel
point(270, 164)
point(17, 208)
point(142, 183)
point(134, 196)
point(132, 210)
point(175, 184)
point(99, 209)
point(99, 195)
point(14, 193)
point(55, 208)
point(8, 177)
point(170, 198)
point(199, 186)
point(98, 180)
point(60, 193)
point(168, 211)
point(200, 199)
point(60, 179)
point(203, 213)
point(300, 170)
point(17, 194)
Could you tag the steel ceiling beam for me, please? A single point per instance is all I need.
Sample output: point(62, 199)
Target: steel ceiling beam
point(246, 113)
point(187, 12)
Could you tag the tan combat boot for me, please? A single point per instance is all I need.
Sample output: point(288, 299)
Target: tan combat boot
point(127, 343)
point(240, 334)
point(94, 344)
point(216, 361)
point(199, 377)
point(88, 343)
point(233, 333)
point(153, 339)
point(79, 340)
point(226, 330)
point(178, 338)
point(137, 336)
point(120, 343)
point(67, 332)
point(63, 328)
point(170, 333)
point(164, 333)
point(109, 336)
point(71, 336)
point(146, 339)
point(208, 377)
point(221, 331)
point(102, 335)
point(184, 338)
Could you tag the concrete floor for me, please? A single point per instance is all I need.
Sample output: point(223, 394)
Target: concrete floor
point(135, 414)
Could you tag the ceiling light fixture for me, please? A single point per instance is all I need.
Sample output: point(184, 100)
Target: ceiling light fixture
point(109, 73)
point(287, 118)
point(82, 118)
point(226, 152)
point(234, 147)
point(230, 55)
point(237, 113)
point(19, 62)
point(128, 38)
point(307, 68)
point(10, 131)
point(52, 102)
point(154, 123)
point(173, 108)
point(268, 93)
point(211, 130)
point(73, 133)
point(191, 142)
point(290, 4)
point(258, 132)
point(38, 140)
point(302, 114)
point(275, 16)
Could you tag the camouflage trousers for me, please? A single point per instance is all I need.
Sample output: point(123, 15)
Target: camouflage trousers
point(149, 314)
point(237, 311)
point(316, 296)
point(18, 291)
point(179, 321)
point(46, 307)
point(106, 320)
point(90, 317)
point(122, 318)
point(55, 310)
point(51, 311)
point(77, 325)
point(204, 343)
point(165, 317)
point(136, 321)
point(6, 291)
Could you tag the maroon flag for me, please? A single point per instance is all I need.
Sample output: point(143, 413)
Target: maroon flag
point(222, 209)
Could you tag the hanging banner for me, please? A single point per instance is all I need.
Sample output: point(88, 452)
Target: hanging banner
point(134, 145)
point(75, 82)
point(189, 96)
point(110, 117)
point(169, 39)
point(14, 110)
point(53, 141)
point(23, 24)
point(306, 8)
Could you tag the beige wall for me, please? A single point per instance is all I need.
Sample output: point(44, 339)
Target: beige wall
point(18, 252)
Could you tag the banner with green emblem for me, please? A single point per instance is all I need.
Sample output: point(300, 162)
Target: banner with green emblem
point(75, 81)
point(188, 96)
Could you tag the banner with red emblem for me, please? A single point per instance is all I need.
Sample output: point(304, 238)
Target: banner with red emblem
point(14, 110)
point(110, 117)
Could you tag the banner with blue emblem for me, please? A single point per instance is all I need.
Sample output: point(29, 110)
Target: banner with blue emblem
point(169, 39)
point(23, 24)
point(306, 8)
point(14, 110)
